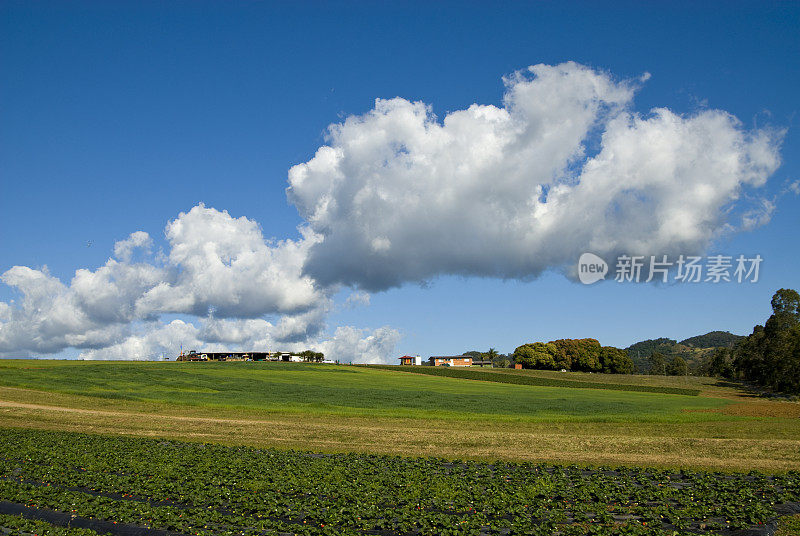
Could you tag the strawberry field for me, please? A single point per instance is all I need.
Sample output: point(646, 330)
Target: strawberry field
point(132, 486)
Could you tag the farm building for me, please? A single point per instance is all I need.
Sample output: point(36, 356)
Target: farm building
point(286, 356)
point(451, 361)
point(193, 355)
point(411, 360)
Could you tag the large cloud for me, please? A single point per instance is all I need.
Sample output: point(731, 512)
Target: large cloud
point(217, 266)
point(49, 318)
point(154, 339)
point(219, 269)
point(510, 192)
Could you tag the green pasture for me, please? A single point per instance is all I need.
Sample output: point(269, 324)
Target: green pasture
point(350, 390)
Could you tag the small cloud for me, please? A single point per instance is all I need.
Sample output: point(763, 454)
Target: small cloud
point(123, 250)
point(357, 299)
point(758, 216)
point(380, 244)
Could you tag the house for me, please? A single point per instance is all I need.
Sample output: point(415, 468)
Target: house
point(411, 360)
point(451, 360)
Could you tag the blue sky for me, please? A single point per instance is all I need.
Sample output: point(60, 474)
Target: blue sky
point(117, 117)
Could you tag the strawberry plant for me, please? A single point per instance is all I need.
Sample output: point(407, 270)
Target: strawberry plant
point(204, 489)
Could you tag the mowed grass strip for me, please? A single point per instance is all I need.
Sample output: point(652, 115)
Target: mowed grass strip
point(518, 378)
point(351, 390)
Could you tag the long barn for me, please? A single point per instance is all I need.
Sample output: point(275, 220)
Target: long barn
point(228, 356)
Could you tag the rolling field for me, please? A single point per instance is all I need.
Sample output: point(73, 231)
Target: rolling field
point(352, 390)
point(363, 409)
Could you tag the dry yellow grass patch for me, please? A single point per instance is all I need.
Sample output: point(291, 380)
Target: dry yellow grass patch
point(737, 445)
point(763, 408)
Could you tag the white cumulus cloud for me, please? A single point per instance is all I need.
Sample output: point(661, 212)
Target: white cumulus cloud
point(217, 266)
point(564, 166)
point(350, 344)
point(151, 340)
point(225, 264)
point(124, 249)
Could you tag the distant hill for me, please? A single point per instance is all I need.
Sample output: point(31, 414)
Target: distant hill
point(713, 339)
point(693, 350)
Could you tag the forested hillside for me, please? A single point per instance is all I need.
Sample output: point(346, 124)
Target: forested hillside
point(694, 350)
point(713, 339)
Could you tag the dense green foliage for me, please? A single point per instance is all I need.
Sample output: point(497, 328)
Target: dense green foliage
point(695, 351)
point(713, 339)
point(659, 365)
point(16, 525)
point(203, 489)
point(583, 355)
point(770, 356)
point(524, 379)
point(651, 346)
point(677, 367)
point(311, 356)
point(497, 359)
point(789, 526)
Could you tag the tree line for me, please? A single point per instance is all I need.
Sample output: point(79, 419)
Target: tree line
point(661, 365)
point(584, 355)
point(770, 356)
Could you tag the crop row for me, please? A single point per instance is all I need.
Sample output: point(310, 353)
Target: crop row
point(11, 525)
point(525, 379)
point(194, 488)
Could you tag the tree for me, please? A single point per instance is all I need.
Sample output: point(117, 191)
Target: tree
point(786, 301)
point(574, 354)
point(615, 361)
point(770, 356)
point(719, 364)
point(678, 367)
point(491, 355)
point(310, 356)
point(586, 355)
point(578, 354)
point(658, 364)
point(537, 355)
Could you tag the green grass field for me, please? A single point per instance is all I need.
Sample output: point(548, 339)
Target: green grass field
point(349, 390)
point(547, 416)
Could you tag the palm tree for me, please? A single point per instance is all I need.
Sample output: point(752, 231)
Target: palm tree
point(491, 355)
